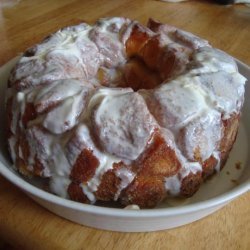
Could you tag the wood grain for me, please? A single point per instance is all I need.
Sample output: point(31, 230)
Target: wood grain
point(27, 225)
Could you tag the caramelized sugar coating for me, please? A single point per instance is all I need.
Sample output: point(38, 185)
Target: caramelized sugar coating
point(122, 112)
point(158, 163)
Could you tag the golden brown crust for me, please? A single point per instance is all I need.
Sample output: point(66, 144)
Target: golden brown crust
point(151, 52)
point(29, 114)
point(109, 184)
point(137, 39)
point(22, 163)
point(145, 191)
point(230, 130)
point(153, 24)
point(190, 184)
point(76, 194)
point(159, 162)
point(38, 167)
point(138, 76)
point(208, 167)
point(84, 167)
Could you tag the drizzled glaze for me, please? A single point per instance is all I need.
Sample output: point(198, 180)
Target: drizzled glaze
point(72, 110)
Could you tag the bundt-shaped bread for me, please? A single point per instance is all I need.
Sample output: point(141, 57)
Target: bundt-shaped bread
point(122, 112)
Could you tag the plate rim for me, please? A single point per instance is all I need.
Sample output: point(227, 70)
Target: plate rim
point(21, 183)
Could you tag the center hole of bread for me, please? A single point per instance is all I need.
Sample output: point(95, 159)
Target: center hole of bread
point(133, 74)
point(138, 75)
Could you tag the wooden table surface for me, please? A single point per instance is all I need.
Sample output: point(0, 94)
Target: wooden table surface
point(27, 225)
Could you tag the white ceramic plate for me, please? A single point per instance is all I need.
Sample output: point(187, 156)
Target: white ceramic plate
point(214, 194)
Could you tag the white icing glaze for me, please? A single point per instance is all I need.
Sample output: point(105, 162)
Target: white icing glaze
point(225, 91)
point(173, 185)
point(208, 60)
point(12, 143)
point(16, 109)
point(132, 207)
point(40, 146)
point(88, 192)
point(123, 124)
point(106, 36)
point(59, 185)
point(179, 101)
point(20, 96)
point(201, 136)
point(60, 169)
point(126, 176)
point(50, 153)
point(106, 161)
point(55, 92)
point(216, 155)
point(190, 40)
point(64, 117)
point(73, 52)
